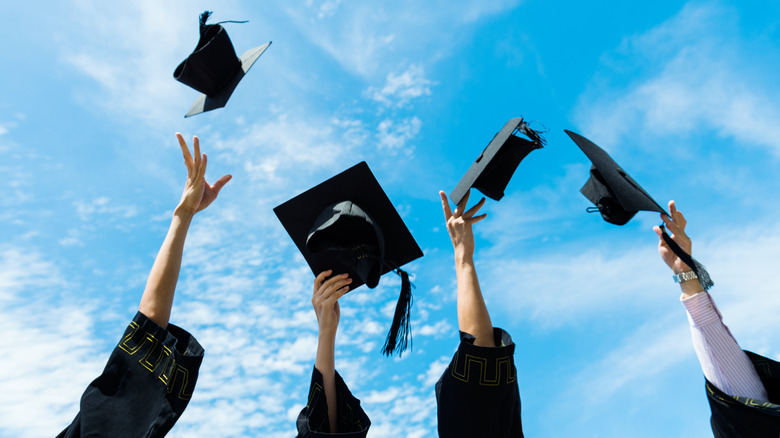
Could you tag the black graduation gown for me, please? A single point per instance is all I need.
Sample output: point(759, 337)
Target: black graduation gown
point(740, 417)
point(313, 419)
point(477, 396)
point(145, 385)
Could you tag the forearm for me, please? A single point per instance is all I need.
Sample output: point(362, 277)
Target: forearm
point(722, 360)
point(326, 365)
point(473, 316)
point(157, 299)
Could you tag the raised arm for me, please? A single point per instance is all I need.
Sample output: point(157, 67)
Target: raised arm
point(473, 316)
point(722, 360)
point(326, 306)
point(157, 298)
point(676, 226)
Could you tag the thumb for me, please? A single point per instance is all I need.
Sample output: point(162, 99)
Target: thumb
point(221, 182)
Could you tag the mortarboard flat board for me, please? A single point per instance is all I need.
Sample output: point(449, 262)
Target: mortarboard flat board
point(213, 67)
point(618, 198)
point(491, 171)
point(347, 224)
point(358, 185)
point(616, 195)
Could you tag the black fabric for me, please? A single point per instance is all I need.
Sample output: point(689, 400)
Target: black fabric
point(491, 171)
point(353, 238)
point(739, 417)
point(477, 396)
point(359, 186)
point(598, 192)
point(313, 419)
point(145, 386)
point(213, 64)
point(495, 177)
point(609, 185)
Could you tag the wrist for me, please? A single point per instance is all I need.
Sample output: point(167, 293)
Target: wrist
point(690, 288)
point(327, 335)
point(464, 257)
point(183, 213)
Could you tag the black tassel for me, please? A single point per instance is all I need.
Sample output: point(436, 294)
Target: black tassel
point(534, 135)
point(400, 331)
point(704, 277)
point(203, 18)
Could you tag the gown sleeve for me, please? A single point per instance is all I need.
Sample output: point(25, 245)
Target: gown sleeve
point(313, 419)
point(145, 386)
point(742, 417)
point(478, 396)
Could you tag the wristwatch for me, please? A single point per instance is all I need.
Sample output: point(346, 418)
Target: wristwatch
point(685, 276)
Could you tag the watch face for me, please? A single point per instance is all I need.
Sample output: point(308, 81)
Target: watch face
point(685, 276)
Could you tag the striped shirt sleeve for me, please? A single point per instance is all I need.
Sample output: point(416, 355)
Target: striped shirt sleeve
point(724, 363)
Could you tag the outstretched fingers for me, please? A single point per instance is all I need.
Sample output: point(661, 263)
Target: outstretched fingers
point(677, 216)
point(196, 145)
point(185, 151)
point(473, 210)
point(462, 205)
point(445, 205)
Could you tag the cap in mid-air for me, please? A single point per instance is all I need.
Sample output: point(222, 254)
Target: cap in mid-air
point(213, 67)
point(491, 171)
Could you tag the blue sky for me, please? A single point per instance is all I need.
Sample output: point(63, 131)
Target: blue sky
point(683, 95)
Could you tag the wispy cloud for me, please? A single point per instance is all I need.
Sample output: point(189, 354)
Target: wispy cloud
point(394, 136)
point(52, 342)
point(139, 46)
point(400, 89)
point(696, 74)
point(103, 206)
point(376, 37)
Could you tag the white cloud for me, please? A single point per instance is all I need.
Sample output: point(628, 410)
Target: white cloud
point(50, 356)
point(437, 330)
point(434, 372)
point(132, 52)
point(698, 75)
point(274, 154)
point(366, 38)
point(399, 90)
point(104, 206)
point(394, 136)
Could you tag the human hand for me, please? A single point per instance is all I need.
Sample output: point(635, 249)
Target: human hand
point(459, 224)
point(676, 226)
point(198, 194)
point(325, 300)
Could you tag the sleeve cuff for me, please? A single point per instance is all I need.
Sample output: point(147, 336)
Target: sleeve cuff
point(313, 419)
point(485, 366)
point(701, 309)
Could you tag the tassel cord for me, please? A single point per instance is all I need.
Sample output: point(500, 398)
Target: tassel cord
point(399, 335)
point(701, 272)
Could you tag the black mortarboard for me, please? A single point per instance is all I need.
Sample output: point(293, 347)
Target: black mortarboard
point(348, 224)
point(213, 67)
point(494, 167)
point(618, 198)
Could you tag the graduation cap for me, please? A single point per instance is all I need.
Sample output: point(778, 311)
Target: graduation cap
point(213, 67)
point(618, 198)
point(348, 224)
point(494, 167)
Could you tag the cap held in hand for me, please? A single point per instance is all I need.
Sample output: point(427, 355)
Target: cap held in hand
point(618, 198)
point(347, 224)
